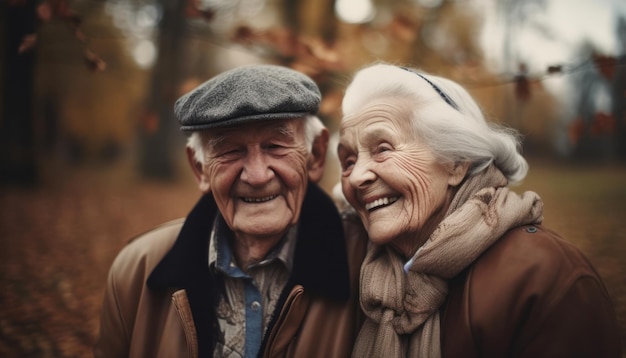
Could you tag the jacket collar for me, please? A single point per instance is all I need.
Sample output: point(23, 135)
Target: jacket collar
point(320, 259)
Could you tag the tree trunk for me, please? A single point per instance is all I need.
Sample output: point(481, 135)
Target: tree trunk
point(157, 139)
point(17, 151)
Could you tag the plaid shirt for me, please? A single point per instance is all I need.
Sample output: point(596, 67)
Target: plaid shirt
point(250, 295)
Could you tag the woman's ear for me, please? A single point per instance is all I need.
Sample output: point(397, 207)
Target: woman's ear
point(317, 157)
point(457, 171)
point(198, 171)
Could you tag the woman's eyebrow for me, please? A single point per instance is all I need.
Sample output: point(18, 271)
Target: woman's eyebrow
point(373, 134)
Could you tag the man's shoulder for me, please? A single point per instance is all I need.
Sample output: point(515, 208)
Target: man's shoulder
point(350, 217)
point(353, 226)
point(146, 250)
point(356, 236)
point(160, 232)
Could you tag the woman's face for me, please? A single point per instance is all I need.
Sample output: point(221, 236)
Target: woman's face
point(389, 176)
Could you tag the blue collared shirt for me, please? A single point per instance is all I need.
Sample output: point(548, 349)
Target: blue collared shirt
point(250, 295)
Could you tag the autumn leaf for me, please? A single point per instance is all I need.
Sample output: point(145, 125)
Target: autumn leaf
point(28, 43)
point(44, 11)
point(149, 121)
point(555, 69)
point(576, 130)
point(80, 36)
point(603, 123)
point(606, 65)
point(522, 88)
point(94, 63)
point(193, 10)
point(244, 34)
point(403, 28)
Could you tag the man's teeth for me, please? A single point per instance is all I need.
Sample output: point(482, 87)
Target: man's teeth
point(380, 202)
point(259, 200)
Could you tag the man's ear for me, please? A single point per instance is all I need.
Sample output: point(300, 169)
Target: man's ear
point(198, 171)
point(317, 158)
point(457, 171)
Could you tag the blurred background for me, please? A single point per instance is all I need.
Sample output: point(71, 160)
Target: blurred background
point(90, 154)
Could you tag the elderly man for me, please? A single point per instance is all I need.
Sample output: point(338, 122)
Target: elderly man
point(263, 265)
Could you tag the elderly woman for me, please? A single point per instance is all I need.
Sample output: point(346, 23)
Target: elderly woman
point(459, 265)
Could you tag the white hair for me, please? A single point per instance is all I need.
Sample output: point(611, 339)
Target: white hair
point(198, 140)
point(453, 134)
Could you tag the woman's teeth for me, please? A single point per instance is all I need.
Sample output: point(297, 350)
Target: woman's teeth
point(380, 202)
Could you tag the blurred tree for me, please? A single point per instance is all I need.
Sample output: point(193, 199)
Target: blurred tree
point(156, 133)
point(17, 154)
point(597, 131)
point(311, 17)
point(515, 16)
point(20, 21)
point(618, 93)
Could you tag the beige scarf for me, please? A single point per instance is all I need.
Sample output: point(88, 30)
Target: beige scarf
point(401, 300)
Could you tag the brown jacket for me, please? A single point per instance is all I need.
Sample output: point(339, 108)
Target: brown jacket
point(159, 294)
point(531, 294)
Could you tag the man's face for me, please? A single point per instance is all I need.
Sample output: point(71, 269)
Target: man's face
point(258, 175)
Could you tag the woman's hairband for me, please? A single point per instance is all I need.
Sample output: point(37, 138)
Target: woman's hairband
point(441, 93)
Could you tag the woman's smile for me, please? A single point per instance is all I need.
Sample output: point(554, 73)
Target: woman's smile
point(380, 203)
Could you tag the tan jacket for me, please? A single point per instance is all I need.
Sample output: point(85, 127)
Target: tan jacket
point(159, 294)
point(531, 294)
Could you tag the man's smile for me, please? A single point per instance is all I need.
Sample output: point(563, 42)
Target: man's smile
point(259, 200)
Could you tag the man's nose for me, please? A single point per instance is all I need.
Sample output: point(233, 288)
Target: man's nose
point(256, 169)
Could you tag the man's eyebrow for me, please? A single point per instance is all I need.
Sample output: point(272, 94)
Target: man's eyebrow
point(285, 130)
point(215, 140)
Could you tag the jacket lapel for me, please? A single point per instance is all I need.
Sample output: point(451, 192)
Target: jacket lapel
point(186, 267)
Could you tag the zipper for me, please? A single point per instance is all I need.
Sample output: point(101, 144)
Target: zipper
point(294, 298)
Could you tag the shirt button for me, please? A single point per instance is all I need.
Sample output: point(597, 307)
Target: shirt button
point(255, 305)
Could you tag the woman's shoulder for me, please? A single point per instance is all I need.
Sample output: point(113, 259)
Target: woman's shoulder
point(531, 262)
point(531, 291)
point(536, 249)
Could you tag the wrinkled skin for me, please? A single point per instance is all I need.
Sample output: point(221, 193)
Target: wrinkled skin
point(258, 174)
point(391, 178)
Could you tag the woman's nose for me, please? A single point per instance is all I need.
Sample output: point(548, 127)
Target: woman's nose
point(362, 173)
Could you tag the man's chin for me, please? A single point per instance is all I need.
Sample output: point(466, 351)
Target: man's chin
point(261, 229)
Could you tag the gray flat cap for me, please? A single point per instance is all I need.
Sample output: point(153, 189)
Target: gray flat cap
point(245, 94)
